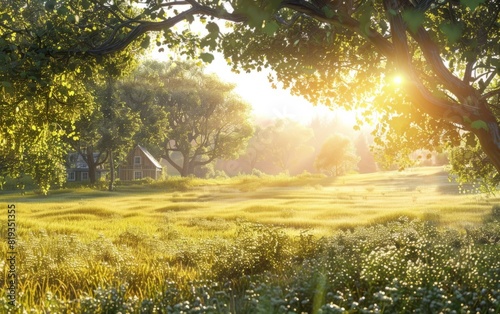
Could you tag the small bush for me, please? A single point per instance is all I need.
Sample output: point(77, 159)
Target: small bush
point(495, 212)
point(259, 248)
point(175, 184)
point(258, 173)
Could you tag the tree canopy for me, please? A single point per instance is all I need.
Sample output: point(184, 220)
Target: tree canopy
point(337, 155)
point(108, 132)
point(341, 53)
point(204, 119)
point(283, 145)
point(44, 75)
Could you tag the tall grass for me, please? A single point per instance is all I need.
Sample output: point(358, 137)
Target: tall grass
point(258, 245)
point(404, 265)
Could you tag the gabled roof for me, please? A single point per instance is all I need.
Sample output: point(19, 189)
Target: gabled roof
point(150, 157)
point(78, 161)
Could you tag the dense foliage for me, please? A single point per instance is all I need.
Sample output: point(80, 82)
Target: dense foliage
point(341, 53)
point(428, 69)
point(402, 266)
point(43, 81)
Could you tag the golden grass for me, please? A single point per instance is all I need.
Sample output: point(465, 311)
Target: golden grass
point(215, 206)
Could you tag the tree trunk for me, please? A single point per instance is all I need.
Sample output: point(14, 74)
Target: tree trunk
point(112, 171)
point(176, 166)
point(490, 143)
point(470, 104)
point(92, 165)
point(187, 168)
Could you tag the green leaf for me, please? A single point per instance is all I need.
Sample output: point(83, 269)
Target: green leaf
point(85, 4)
point(6, 84)
point(479, 124)
point(207, 57)
point(212, 28)
point(365, 19)
point(271, 27)
point(145, 42)
point(472, 4)
point(50, 5)
point(62, 10)
point(329, 13)
point(73, 18)
point(453, 31)
point(414, 19)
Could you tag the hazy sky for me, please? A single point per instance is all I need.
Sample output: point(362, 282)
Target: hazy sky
point(256, 89)
point(268, 103)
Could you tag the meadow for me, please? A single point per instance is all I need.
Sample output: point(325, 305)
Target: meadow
point(388, 242)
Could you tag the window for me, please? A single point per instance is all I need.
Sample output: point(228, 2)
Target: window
point(85, 176)
point(137, 160)
point(137, 175)
point(71, 176)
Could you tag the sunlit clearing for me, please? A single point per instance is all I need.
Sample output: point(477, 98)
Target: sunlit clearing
point(398, 79)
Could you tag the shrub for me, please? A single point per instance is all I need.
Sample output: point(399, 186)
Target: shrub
point(495, 212)
point(259, 249)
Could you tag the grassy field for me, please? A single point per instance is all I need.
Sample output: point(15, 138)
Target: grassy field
point(316, 203)
point(141, 240)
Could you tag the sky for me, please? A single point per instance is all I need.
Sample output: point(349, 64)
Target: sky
point(268, 102)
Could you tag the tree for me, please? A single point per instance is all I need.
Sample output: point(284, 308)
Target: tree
point(430, 64)
point(280, 147)
point(342, 53)
point(337, 155)
point(257, 148)
point(206, 120)
point(43, 82)
point(286, 144)
point(107, 133)
point(141, 91)
point(366, 162)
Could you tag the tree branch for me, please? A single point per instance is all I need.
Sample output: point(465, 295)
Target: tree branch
point(431, 53)
point(487, 82)
point(491, 94)
point(171, 162)
point(468, 71)
point(113, 45)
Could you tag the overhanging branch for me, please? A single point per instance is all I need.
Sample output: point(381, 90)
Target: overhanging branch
point(113, 44)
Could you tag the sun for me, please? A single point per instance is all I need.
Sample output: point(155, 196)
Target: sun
point(398, 79)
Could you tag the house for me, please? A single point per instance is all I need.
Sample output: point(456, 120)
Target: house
point(77, 169)
point(139, 164)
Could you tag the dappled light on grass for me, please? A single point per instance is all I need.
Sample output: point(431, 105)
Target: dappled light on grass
point(320, 201)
